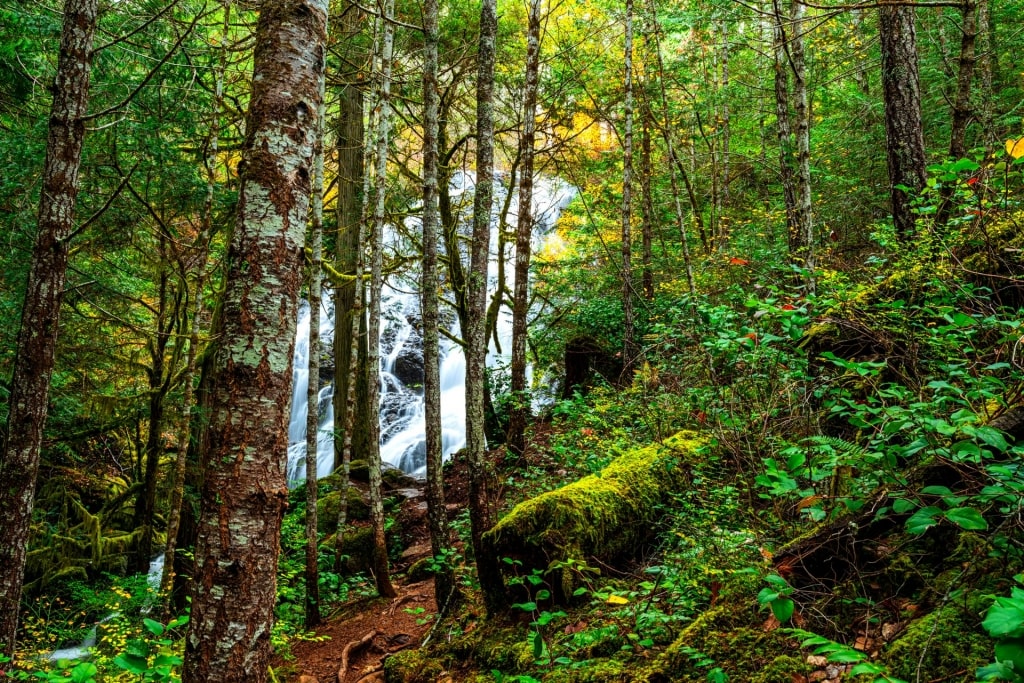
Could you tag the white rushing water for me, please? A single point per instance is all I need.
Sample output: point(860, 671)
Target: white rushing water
point(401, 372)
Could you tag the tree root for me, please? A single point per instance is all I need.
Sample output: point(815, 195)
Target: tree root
point(350, 649)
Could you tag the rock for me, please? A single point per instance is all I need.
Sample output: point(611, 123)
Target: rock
point(395, 479)
point(327, 508)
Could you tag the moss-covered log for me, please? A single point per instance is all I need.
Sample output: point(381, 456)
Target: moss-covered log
point(604, 515)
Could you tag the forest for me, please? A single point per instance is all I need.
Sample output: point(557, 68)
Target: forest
point(573, 341)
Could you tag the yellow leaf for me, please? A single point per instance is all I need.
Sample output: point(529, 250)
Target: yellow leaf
point(1015, 148)
point(617, 600)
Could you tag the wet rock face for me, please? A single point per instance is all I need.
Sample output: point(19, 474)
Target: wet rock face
point(408, 368)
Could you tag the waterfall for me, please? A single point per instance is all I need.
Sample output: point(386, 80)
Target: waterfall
point(401, 373)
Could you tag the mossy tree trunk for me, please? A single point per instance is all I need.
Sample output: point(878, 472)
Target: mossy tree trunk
point(520, 413)
point(475, 332)
point(444, 579)
point(629, 347)
point(44, 293)
point(381, 572)
point(244, 489)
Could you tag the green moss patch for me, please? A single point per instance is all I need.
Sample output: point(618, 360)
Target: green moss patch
point(605, 515)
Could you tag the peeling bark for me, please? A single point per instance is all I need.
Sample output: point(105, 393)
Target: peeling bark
point(37, 336)
point(244, 492)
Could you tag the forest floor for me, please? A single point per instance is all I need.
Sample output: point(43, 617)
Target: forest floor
point(360, 634)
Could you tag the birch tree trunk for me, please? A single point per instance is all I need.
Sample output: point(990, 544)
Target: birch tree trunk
point(381, 573)
point(244, 490)
point(44, 293)
point(904, 136)
point(476, 311)
point(520, 413)
point(783, 125)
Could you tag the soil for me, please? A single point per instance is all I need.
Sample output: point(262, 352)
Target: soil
point(376, 628)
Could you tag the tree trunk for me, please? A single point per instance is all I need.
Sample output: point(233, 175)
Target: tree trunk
point(476, 308)
point(646, 196)
point(904, 137)
point(520, 413)
point(244, 489)
point(784, 129)
point(437, 514)
point(37, 335)
point(349, 209)
point(802, 113)
point(381, 573)
point(674, 163)
point(629, 350)
point(192, 332)
point(316, 230)
point(962, 109)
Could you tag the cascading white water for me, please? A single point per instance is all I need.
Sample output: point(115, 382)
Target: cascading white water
point(401, 376)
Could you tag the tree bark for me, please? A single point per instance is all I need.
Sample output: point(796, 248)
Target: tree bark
point(349, 209)
point(962, 109)
point(904, 136)
point(520, 413)
point(802, 113)
point(202, 248)
point(437, 514)
point(244, 489)
point(476, 311)
point(381, 573)
point(44, 293)
point(316, 231)
point(629, 350)
point(784, 127)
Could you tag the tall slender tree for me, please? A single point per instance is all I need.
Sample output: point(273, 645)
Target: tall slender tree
point(524, 234)
point(381, 573)
point(244, 491)
point(629, 350)
point(37, 336)
point(437, 514)
point(316, 231)
point(476, 309)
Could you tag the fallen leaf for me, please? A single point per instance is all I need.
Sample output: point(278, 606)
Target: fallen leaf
point(734, 261)
point(1015, 148)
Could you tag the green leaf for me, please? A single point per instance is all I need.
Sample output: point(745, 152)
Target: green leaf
point(922, 520)
point(525, 606)
point(132, 663)
point(967, 518)
point(777, 581)
point(767, 596)
point(901, 505)
point(783, 609)
point(937, 490)
point(795, 460)
point(154, 627)
point(1011, 651)
point(992, 437)
point(1005, 618)
point(84, 672)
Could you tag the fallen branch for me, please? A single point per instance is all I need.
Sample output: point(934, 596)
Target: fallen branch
point(349, 649)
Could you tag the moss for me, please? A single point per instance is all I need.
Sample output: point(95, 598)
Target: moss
point(947, 645)
point(727, 636)
point(327, 509)
point(604, 515)
point(394, 478)
point(783, 669)
point(591, 671)
point(412, 666)
point(419, 570)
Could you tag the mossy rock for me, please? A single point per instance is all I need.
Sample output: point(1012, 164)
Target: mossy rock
point(605, 515)
point(327, 509)
point(412, 666)
point(358, 470)
point(394, 478)
point(729, 636)
point(947, 645)
point(358, 547)
point(420, 570)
